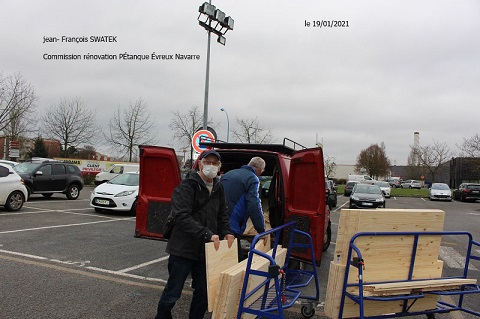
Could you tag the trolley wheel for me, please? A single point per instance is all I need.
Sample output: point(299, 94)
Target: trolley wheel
point(430, 316)
point(308, 311)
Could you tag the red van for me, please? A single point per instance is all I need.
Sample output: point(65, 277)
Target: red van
point(296, 192)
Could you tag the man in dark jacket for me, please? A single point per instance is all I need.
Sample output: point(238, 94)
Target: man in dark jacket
point(201, 216)
point(242, 191)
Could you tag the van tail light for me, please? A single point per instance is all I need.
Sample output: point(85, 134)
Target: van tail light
point(22, 181)
point(467, 190)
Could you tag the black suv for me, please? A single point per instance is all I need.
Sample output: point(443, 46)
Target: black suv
point(45, 176)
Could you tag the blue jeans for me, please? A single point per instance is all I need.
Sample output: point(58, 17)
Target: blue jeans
point(178, 270)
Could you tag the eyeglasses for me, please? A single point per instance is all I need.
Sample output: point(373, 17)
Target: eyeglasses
point(211, 163)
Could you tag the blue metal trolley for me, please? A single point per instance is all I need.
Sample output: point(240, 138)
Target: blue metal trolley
point(280, 286)
point(409, 299)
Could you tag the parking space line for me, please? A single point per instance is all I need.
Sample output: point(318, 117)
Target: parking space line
point(119, 273)
point(25, 213)
point(453, 259)
point(96, 215)
point(82, 265)
point(148, 263)
point(22, 254)
point(66, 225)
point(93, 275)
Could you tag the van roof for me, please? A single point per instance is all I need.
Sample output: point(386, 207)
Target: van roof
point(278, 148)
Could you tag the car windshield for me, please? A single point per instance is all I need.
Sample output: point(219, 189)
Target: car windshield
point(476, 186)
point(125, 179)
point(440, 187)
point(382, 184)
point(367, 189)
point(351, 184)
point(26, 168)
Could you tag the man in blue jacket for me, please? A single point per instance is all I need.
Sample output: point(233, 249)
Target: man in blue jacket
point(242, 192)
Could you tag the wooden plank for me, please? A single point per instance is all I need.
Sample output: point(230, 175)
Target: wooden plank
point(255, 281)
point(216, 262)
point(407, 287)
point(351, 309)
point(227, 303)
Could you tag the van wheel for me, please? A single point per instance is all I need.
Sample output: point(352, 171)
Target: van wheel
point(14, 201)
point(133, 210)
point(327, 237)
point(73, 192)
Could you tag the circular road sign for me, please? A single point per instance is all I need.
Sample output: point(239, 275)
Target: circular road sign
point(202, 136)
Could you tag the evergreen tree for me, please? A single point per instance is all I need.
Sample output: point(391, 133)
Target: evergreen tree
point(39, 149)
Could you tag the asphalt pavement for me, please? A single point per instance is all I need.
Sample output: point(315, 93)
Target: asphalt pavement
point(61, 259)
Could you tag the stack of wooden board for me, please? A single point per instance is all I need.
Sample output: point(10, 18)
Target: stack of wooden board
point(408, 287)
point(216, 262)
point(231, 281)
point(386, 258)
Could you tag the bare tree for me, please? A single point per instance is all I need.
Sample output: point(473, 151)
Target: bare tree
point(251, 132)
point(71, 122)
point(17, 106)
point(330, 165)
point(432, 157)
point(374, 160)
point(184, 126)
point(471, 146)
point(130, 128)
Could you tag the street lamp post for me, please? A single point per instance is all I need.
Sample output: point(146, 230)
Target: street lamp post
point(228, 122)
point(208, 14)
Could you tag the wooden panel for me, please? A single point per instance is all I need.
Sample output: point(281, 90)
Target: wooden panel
point(353, 221)
point(386, 258)
point(231, 281)
point(216, 262)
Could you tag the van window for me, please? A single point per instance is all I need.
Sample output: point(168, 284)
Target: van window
point(117, 170)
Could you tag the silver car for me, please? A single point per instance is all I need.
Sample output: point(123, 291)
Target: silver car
point(440, 191)
point(411, 183)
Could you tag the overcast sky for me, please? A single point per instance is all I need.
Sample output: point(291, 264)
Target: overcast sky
point(399, 66)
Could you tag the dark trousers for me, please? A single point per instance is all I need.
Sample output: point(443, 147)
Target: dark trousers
point(178, 270)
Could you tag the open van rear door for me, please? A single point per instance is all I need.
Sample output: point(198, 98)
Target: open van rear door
point(159, 175)
point(306, 200)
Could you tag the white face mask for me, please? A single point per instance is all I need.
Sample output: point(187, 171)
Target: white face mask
point(210, 170)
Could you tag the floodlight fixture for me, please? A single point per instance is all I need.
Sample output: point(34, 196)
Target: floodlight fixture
point(219, 15)
point(207, 9)
point(228, 23)
point(221, 39)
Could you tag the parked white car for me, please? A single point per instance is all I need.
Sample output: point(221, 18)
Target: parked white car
point(440, 191)
point(118, 194)
point(385, 187)
point(13, 192)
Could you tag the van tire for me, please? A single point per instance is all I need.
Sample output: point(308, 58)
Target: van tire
point(327, 238)
point(133, 210)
